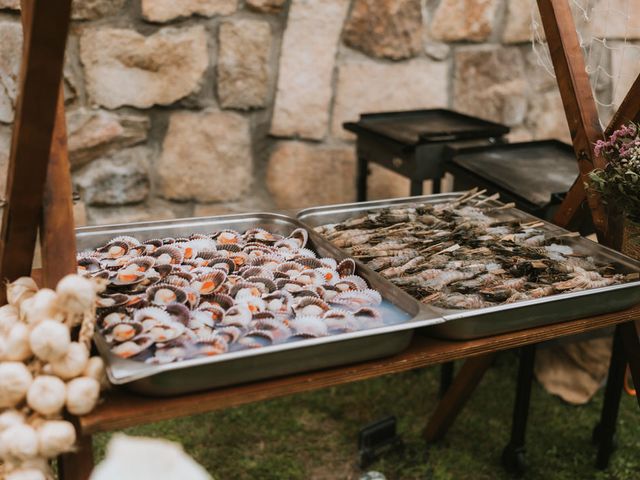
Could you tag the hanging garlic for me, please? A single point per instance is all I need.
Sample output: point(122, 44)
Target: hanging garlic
point(77, 295)
point(95, 369)
point(82, 395)
point(9, 316)
point(44, 304)
point(46, 395)
point(17, 343)
point(26, 473)
point(72, 363)
point(15, 380)
point(18, 442)
point(50, 340)
point(20, 290)
point(56, 437)
point(8, 418)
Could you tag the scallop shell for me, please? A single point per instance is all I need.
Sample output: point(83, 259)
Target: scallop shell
point(309, 326)
point(168, 255)
point(231, 332)
point(329, 263)
point(290, 286)
point(264, 236)
point(213, 344)
point(369, 317)
point(111, 301)
point(193, 297)
point(130, 241)
point(310, 262)
point(176, 281)
point(359, 297)
point(89, 265)
point(278, 302)
point(122, 331)
point(216, 312)
point(224, 301)
point(208, 283)
point(237, 316)
point(226, 237)
point(114, 249)
point(346, 267)
point(230, 248)
point(270, 262)
point(164, 294)
point(178, 312)
point(150, 316)
point(153, 243)
point(254, 304)
point(310, 307)
point(165, 332)
point(222, 264)
point(105, 321)
point(359, 282)
point(143, 263)
point(133, 347)
point(340, 321)
point(244, 289)
point(310, 277)
point(239, 258)
point(304, 253)
point(269, 285)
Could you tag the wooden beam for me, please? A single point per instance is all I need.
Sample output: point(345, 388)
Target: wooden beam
point(452, 403)
point(579, 105)
point(40, 76)
point(57, 235)
point(629, 109)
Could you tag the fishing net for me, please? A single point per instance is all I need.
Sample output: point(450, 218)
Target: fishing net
point(609, 33)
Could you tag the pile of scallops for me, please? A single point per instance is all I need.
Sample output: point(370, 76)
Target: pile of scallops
point(46, 372)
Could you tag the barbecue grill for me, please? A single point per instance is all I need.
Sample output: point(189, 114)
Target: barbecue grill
point(412, 143)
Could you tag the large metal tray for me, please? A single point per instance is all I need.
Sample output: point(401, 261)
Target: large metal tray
point(470, 324)
point(401, 313)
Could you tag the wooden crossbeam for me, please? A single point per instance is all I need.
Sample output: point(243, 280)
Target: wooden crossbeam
point(579, 106)
point(46, 26)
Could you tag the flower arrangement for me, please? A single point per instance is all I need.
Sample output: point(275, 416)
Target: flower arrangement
point(619, 181)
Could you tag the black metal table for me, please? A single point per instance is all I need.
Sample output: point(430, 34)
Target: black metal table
point(412, 143)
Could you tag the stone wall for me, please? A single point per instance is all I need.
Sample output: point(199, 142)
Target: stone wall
point(202, 107)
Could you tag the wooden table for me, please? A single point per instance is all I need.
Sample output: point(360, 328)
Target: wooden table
point(122, 409)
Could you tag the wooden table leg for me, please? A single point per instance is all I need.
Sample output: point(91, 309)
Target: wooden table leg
point(631, 336)
point(456, 397)
point(77, 465)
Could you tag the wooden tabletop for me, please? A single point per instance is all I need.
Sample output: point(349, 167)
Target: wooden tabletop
point(122, 409)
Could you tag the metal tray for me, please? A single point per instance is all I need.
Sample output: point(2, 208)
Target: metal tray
point(470, 324)
point(401, 313)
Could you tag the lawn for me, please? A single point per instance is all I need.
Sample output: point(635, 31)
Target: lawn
point(314, 435)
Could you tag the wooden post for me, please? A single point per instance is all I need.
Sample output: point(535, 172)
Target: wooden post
point(45, 33)
point(579, 106)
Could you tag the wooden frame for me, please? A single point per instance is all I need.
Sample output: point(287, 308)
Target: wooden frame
point(39, 196)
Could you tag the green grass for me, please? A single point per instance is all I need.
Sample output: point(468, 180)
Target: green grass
point(314, 435)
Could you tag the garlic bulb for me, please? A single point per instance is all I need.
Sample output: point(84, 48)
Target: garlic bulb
point(20, 290)
point(72, 363)
point(26, 473)
point(50, 340)
point(82, 395)
point(18, 442)
point(77, 294)
point(9, 316)
point(95, 369)
point(56, 437)
point(44, 304)
point(46, 395)
point(17, 343)
point(15, 380)
point(8, 418)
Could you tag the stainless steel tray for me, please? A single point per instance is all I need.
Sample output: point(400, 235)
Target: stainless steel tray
point(401, 312)
point(470, 324)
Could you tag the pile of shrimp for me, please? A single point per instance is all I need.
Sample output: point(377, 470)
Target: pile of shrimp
point(463, 254)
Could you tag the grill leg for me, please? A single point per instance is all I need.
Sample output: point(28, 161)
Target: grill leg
point(436, 185)
point(513, 455)
point(361, 178)
point(446, 377)
point(604, 431)
point(416, 187)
